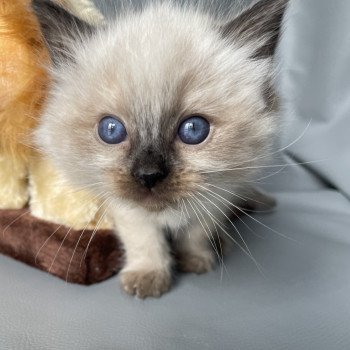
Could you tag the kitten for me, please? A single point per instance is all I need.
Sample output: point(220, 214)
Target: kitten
point(168, 112)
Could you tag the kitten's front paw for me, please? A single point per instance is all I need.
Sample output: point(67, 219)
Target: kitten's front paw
point(196, 263)
point(144, 283)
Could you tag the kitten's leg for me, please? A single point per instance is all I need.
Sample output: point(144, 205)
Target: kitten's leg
point(147, 272)
point(53, 200)
point(194, 251)
point(13, 183)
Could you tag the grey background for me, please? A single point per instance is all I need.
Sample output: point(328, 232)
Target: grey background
point(303, 299)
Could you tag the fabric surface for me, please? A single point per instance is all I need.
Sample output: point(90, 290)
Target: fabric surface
point(299, 299)
point(83, 257)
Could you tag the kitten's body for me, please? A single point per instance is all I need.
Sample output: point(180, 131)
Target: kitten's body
point(152, 69)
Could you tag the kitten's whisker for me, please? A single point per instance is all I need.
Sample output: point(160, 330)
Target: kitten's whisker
point(27, 143)
point(297, 139)
point(217, 196)
point(223, 266)
point(238, 217)
point(225, 190)
point(269, 175)
point(180, 221)
point(265, 166)
point(212, 243)
point(79, 239)
point(84, 194)
point(59, 248)
point(221, 254)
point(189, 217)
point(78, 188)
point(241, 196)
point(46, 241)
point(96, 228)
point(209, 233)
point(188, 201)
point(29, 146)
point(175, 211)
point(14, 221)
point(229, 220)
point(247, 253)
point(246, 250)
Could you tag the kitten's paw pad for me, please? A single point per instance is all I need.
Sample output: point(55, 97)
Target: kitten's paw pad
point(145, 284)
point(196, 263)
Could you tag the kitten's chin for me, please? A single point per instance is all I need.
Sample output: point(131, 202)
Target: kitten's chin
point(153, 202)
point(156, 199)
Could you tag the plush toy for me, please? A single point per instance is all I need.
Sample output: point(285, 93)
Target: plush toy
point(83, 257)
point(84, 9)
point(27, 179)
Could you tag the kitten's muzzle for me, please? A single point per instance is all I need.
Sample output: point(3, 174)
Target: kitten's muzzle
point(150, 177)
point(150, 167)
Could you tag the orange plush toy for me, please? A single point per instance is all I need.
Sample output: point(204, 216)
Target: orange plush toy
point(23, 85)
point(26, 179)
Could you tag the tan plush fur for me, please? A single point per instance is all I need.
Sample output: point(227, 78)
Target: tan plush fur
point(152, 69)
point(23, 88)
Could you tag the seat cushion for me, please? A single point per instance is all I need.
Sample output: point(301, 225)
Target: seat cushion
point(297, 296)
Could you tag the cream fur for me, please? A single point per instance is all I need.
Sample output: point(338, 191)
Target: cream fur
point(13, 183)
point(52, 198)
point(83, 9)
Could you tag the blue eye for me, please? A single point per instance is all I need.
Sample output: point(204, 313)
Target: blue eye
point(194, 130)
point(111, 130)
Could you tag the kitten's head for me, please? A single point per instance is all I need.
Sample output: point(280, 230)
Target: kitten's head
point(161, 102)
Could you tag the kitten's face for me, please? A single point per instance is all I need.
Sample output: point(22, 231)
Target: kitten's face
point(151, 72)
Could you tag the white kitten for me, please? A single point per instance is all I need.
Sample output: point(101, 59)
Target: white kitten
point(166, 112)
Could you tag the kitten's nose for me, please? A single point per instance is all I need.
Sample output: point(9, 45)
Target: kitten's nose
point(150, 177)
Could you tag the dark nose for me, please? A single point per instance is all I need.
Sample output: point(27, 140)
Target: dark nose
point(150, 178)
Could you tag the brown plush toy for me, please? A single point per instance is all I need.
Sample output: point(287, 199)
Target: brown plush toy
point(75, 256)
point(69, 216)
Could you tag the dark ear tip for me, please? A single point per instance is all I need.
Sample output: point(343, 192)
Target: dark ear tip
point(41, 4)
point(49, 8)
point(260, 23)
point(60, 28)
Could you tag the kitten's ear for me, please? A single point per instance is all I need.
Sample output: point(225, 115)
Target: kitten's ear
point(60, 29)
point(259, 25)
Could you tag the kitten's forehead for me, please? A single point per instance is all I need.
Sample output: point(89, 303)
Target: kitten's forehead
point(154, 67)
point(144, 63)
point(158, 51)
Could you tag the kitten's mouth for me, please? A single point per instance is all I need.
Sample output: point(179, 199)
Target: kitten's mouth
point(154, 201)
point(164, 195)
